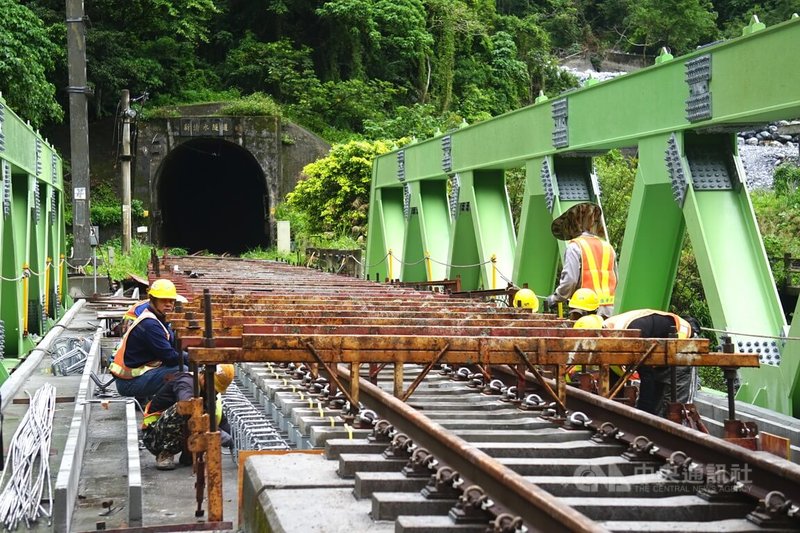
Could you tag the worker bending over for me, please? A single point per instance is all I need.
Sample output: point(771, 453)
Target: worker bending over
point(164, 431)
point(589, 260)
point(147, 353)
point(655, 384)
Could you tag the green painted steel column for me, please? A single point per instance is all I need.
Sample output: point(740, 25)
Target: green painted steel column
point(654, 234)
point(413, 253)
point(434, 215)
point(484, 211)
point(465, 256)
point(790, 364)
point(537, 257)
point(728, 248)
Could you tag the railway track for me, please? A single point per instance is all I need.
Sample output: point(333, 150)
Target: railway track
point(585, 479)
point(454, 406)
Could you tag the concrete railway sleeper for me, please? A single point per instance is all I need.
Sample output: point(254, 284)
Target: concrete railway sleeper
point(474, 461)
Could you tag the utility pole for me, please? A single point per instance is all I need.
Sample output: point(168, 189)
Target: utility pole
point(125, 169)
point(78, 128)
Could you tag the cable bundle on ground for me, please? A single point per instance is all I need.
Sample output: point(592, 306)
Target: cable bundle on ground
point(28, 466)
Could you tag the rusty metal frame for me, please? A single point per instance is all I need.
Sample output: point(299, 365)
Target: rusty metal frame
point(332, 373)
point(628, 373)
point(546, 386)
point(424, 373)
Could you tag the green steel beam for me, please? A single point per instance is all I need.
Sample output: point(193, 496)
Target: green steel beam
point(32, 231)
point(677, 114)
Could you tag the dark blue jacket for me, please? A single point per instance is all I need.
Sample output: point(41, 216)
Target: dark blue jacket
point(147, 342)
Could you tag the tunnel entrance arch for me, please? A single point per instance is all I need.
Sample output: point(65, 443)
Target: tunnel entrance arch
point(211, 194)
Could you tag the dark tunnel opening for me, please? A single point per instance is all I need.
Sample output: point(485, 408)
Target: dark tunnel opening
point(212, 196)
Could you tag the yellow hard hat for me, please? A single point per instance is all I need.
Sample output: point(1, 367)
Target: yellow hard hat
point(526, 298)
point(589, 322)
point(223, 377)
point(585, 299)
point(163, 288)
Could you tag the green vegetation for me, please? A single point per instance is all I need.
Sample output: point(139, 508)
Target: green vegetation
point(28, 57)
point(106, 208)
point(122, 265)
point(778, 214)
point(256, 104)
point(345, 68)
point(332, 198)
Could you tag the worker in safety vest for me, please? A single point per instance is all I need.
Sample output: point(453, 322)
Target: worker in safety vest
point(147, 352)
point(654, 389)
point(164, 431)
point(138, 308)
point(589, 260)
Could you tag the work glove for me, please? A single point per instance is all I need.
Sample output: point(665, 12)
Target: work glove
point(551, 302)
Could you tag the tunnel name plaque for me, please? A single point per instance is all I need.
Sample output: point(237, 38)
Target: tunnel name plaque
point(204, 127)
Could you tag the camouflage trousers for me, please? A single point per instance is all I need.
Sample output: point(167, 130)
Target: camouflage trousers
point(167, 434)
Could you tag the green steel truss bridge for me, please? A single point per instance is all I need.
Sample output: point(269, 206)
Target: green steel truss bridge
point(439, 208)
point(32, 237)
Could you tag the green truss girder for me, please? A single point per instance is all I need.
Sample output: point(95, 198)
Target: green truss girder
point(32, 233)
point(646, 110)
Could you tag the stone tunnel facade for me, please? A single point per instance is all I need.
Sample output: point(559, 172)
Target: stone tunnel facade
point(212, 182)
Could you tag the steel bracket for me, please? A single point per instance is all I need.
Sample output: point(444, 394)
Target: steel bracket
point(560, 123)
point(672, 157)
point(698, 77)
point(447, 154)
point(547, 185)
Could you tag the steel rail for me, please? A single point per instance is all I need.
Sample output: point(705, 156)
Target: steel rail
point(535, 506)
point(766, 472)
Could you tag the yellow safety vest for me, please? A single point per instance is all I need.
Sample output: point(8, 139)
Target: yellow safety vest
point(118, 367)
point(150, 418)
point(623, 320)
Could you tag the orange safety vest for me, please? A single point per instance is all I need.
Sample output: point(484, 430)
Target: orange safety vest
point(118, 367)
point(130, 314)
point(623, 320)
point(597, 267)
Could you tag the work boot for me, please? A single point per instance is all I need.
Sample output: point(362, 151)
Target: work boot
point(165, 461)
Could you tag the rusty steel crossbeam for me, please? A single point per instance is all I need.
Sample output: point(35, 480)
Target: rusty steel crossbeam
point(466, 321)
point(226, 338)
point(410, 311)
point(442, 331)
point(471, 350)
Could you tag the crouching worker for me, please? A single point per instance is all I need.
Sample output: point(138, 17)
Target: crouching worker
point(654, 389)
point(147, 352)
point(165, 432)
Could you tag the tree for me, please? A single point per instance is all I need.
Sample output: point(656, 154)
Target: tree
point(333, 194)
point(677, 24)
point(278, 67)
point(27, 57)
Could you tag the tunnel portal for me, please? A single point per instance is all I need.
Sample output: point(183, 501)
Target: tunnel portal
point(212, 196)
